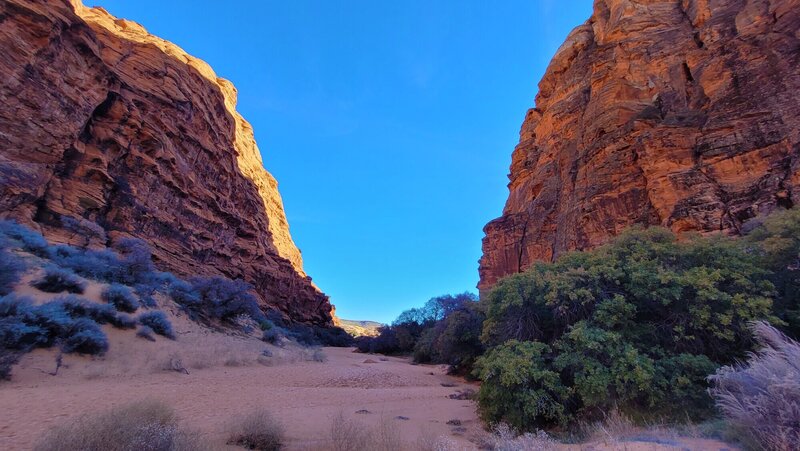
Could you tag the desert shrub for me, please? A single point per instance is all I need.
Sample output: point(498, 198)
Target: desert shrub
point(131, 266)
point(271, 335)
point(100, 313)
point(56, 280)
point(84, 336)
point(18, 326)
point(383, 343)
point(256, 430)
point(89, 263)
point(31, 326)
point(7, 360)
point(775, 241)
point(145, 332)
point(217, 297)
point(88, 230)
point(136, 262)
point(302, 334)
point(505, 438)
point(158, 322)
point(762, 395)
point(30, 240)
point(445, 330)
point(315, 354)
point(143, 425)
point(312, 335)
point(146, 291)
point(348, 435)
point(183, 293)
point(24, 326)
point(120, 297)
point(11, 268)
point(633, 324)
point(454, 340)
point(520, 385)
point(333, 336)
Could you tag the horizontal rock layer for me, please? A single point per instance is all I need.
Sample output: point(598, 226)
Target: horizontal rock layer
point(103, 124)
point(680, 113)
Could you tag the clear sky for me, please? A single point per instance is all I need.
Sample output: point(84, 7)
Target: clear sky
point(388, 124)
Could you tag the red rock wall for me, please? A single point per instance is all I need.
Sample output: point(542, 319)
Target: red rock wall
point(681, 113)
point(101, 121)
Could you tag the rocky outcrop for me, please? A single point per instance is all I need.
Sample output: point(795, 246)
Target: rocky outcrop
point(681, 113)
point(103, 124)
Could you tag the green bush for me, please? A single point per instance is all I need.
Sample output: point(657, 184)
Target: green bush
point(520, 384)
point(429, 336)
point(635, 325)
point(454, 340)
point(776, 243)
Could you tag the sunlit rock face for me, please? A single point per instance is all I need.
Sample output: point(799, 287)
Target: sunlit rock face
point(103, 123)
point(681, 113)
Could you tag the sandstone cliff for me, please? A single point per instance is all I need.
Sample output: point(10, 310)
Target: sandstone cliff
point(682, 113)
point(102, 123)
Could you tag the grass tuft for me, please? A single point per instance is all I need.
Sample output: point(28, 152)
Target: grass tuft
point(256, 430)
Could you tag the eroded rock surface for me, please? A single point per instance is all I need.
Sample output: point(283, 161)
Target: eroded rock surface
point(681, 113)
point(102, 123)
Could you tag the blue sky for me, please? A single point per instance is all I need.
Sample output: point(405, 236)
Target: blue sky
point(389, 125)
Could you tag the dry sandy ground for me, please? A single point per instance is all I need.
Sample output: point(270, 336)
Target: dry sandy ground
point(304, 395)
point(229, 376)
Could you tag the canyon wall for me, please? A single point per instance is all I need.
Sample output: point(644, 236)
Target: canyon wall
point(679, 113)
point(108, 130)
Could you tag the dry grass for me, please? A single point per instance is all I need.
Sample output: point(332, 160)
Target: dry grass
point(428, 441)
point(505, 438)
point(348, 435)
point(144, 425)
point(762, 396)
point(313, 355)
point(256, 430)
point(351, 435)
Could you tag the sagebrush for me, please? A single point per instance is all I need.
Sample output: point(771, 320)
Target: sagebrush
point(762, 395)
point(142, 425)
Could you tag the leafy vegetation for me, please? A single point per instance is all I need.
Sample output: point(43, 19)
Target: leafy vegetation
point(637, 325)
point(445, 330)
point(776, 244)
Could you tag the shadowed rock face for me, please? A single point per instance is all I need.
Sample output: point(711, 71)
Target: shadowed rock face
point(103, 123)
point(681, 113)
